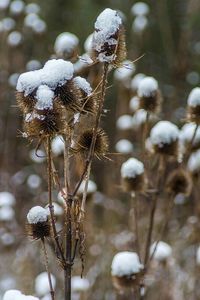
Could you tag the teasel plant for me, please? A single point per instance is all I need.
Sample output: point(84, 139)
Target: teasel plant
point(54, 102)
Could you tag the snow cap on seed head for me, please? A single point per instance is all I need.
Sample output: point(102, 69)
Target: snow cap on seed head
point(132, 168)
point(37, 214)
point(126, 263)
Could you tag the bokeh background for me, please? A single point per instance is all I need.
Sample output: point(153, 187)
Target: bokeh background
point(166, 40)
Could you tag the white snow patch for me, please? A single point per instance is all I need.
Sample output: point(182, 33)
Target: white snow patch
point(7, 213)
point(136, 81)
point(124, 146)
point(4, 4)
point(140, 9)
point(42, 284)
point(125, 72)
point(194, 97)
point(7, 199)
point(147, 87)
point(124, 122)
point(88, 43)
point(126, 263)
point(80, 284)
point(17, 7)
point(83, 84)
point(134, 104)
point(164, 132)
point(29, 81)
point(44, 96)
point(162, 252)
point(37, 214)
point(66, 42)
point(58, 145)
point(92, 187)
point(193, 164)
point(132, 168)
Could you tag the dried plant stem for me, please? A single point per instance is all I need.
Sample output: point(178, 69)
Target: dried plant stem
point(145, 132)
point(68, 250)
point(49, 172)
point(47, 269)
point(193, 138)
point(153, 210)
point(135, 209)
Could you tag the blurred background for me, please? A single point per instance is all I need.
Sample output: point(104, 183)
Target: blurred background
point(163, 40)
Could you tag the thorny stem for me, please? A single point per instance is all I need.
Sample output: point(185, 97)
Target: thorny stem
point(47, 269)
point(153, 210)
point(49, 172)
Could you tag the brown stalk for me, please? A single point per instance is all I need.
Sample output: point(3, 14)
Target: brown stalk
point(47, 269)
point(153, 209)
point(135, 210)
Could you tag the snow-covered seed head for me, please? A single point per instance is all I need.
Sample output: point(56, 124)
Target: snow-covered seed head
point(66, 45)
point(179, 182)
point(186, 136)
point(193, 111)
point(124, 146)
point(162, 251)
point(42, 284)
point(80, 284)
point(88, 99)
point(85, 140)
point(126, 270)
point(164, 138)
point(133, 175)
point(42, 124)
point(38, 226)
point(69, 96)
point(108, 39)
point(149, 94)
point(44, 97)
point(193, 164)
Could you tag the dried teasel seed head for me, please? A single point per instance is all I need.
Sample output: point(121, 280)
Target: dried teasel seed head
point(193, 109)
point(50, 122)
point(179, 182)
point(69, 96)
point(25, 103)
point(38, 226)
point(108, 39)
point(126, 270)
point(133, 175)
point(164, 138)
point(149, 95)
point(85, 140)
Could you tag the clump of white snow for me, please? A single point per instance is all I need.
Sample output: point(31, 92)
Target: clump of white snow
point(83, 84)
point(4, 4)
point(164, 132)
point(147, 87)
point(139, 118)
point(126, 263)
point(187, 133)
point(7, 199)
point(198, 256)
point(44, 96)
point(65, 42)
point(126, 71)
point(194, 97)
point(14, 39)
point(140, 9)
point(58, 145)
point(88, 43)
point(134, 104)
point(42, 284)
point(29, 81)
point(37, 214)
point(132, 168)
point(17, 295)
point(162, 252)
point(92, 187)
point(17, 7)
point(107, 24)
point(124, 122)
point(124, 146)
point(193, 164)
point(136, 81)
point(80, 284)
point(32, 8)
point(34, 181)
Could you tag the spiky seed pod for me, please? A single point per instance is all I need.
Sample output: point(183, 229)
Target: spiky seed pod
point(193, 109)
point(25, 103)
point(133, 175)
point(39, 230)
point(89, 104)
point(85, 140)
point(126, 282)
point(149, 95)
point(38, 226)
point(179, 182)
point(136, 184)
point(42, 124)
point(108, 39)
point(69, 96)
